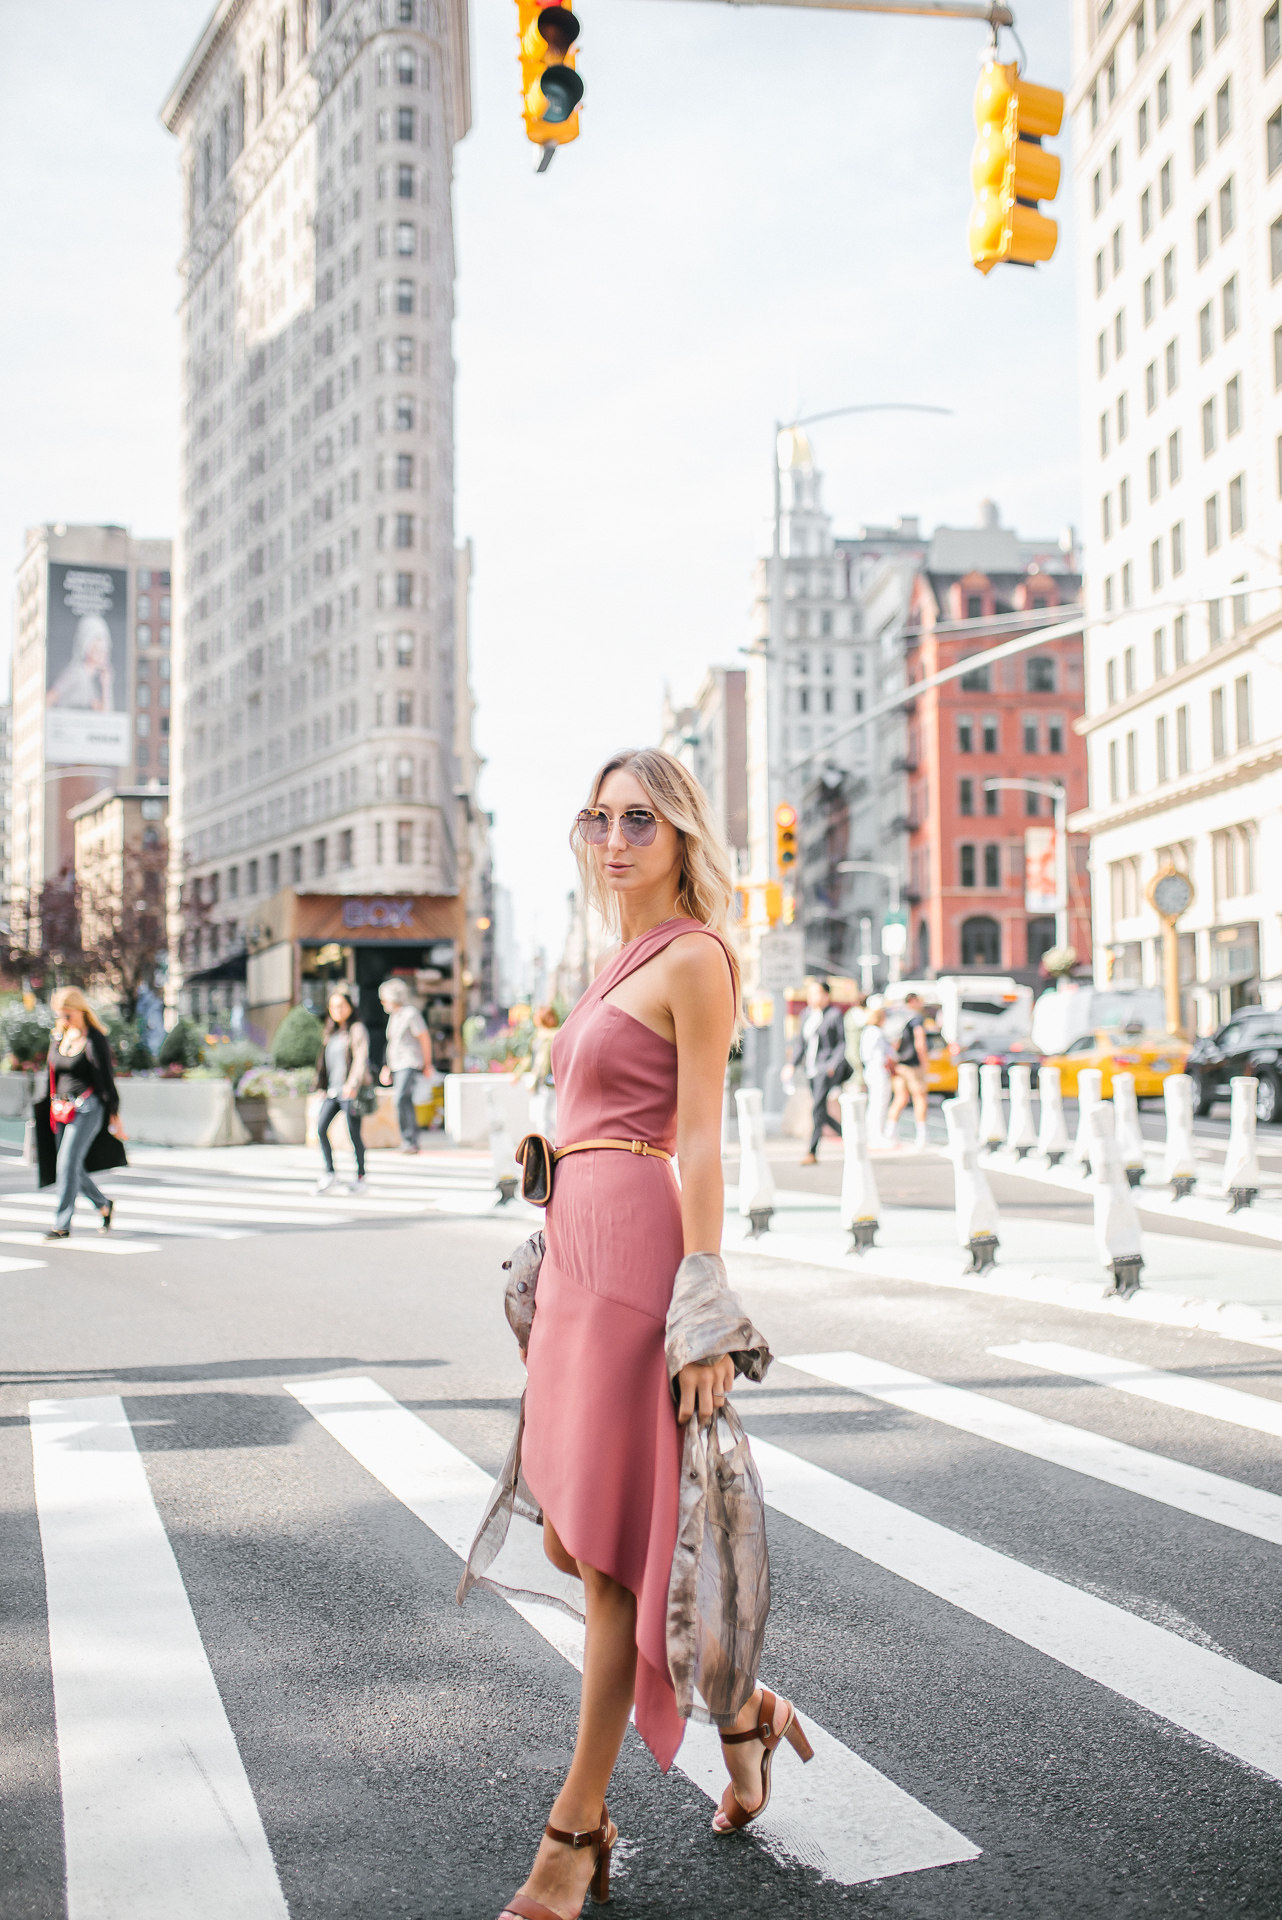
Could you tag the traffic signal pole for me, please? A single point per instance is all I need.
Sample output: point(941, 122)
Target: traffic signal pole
point(923, 9)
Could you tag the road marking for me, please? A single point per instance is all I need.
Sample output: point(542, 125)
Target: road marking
point(1208, 1496)
point(838, 1815)
point(78, 1243)
point(317, 1206)
point(1150, 1383)
point(212, 1210)
point(158, 1816)
point(1209, 1695)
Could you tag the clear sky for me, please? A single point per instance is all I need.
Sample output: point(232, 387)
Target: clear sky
point(766, 212)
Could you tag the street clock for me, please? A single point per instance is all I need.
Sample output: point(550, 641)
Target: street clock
point(1170, 893)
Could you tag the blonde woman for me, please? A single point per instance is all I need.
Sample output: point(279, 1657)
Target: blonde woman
point(641, 1058)
point(82, 1089)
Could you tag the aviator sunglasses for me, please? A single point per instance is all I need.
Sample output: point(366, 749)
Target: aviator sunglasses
point(639, 826)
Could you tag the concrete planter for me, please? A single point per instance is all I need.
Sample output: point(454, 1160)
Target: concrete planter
point(253, 1117)
point(15, 1094)
point(180, 1113)
point(467, 1107)
point(287, 1118)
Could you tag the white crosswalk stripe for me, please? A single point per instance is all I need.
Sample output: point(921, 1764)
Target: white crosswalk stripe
point(838, 1815)
point(1210, 1496)
point(1204, 1397)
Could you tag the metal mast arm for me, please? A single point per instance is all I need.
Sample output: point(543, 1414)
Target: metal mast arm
point(996, 16)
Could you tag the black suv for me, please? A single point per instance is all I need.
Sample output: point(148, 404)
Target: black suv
point(1251, 1043)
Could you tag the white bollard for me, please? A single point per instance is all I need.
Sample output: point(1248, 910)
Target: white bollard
point(1021, 1135)
point(860, 1204)
point(1241, 1181)
point(877, 1081)
point(1126, 1127)
point(756, 1179)
point(1117, 1223)
point(503, 1162)
point(976, 1208)
point(1179, 1162)
point(968, 1082)
point(1052, 1134)
point(1089, 1082)
point(992, 1117)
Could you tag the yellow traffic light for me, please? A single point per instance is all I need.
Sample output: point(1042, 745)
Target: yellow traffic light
point(550, 88)
point(1011, 171)
point(774, 902)
point(785, 837)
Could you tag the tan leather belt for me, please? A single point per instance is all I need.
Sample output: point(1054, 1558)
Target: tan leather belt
point(623, 1146)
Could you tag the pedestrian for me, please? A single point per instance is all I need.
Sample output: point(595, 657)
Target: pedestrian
point(821, 1050)
point(342, 1073)
point(601, 1446)
point(409, 1053)
point(538, 1077)
point(82, 1099)
point(877, 1058)
point(912, 1072)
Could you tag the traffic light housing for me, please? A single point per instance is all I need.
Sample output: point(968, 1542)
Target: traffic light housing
point(1011, 171)
point(550, 88)
point(785, 837)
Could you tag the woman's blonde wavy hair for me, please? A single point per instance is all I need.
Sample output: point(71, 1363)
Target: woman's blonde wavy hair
point(705, 891)
point(71, 1000)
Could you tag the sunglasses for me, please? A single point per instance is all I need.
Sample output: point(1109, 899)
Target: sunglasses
point(639, 826)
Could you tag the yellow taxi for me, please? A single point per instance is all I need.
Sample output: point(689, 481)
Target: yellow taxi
point(941, 1067)
point(1149, 1056)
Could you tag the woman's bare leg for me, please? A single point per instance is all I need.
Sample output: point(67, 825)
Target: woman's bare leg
point(560, 1877)
point(743, 1763)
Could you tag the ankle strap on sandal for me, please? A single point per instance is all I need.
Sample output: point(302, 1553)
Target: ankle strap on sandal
point(764, 1729)
point(591, 1837)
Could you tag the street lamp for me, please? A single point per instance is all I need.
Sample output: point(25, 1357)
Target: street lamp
point(891, 874)
point(1059, 799)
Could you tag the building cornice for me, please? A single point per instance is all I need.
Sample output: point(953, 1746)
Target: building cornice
point(1206, 662)
point(221, 22)
point(1233, 771)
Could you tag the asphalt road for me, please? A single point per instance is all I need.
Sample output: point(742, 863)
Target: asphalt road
point(1076, 1680)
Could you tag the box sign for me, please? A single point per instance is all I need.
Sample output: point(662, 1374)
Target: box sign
point(1040, 892)
point(389, 915)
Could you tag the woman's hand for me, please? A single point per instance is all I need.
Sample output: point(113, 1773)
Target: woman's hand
point(385, 1077)
point(706, 1387)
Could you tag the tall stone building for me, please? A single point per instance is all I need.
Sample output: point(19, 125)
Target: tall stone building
point(315, 649)
point(1177, 111)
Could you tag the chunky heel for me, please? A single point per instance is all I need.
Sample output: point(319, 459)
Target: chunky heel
point(522, 1907)
point(795, 1734)
point(732, 1810)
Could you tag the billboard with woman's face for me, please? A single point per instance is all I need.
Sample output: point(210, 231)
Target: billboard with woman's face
point(86, 667)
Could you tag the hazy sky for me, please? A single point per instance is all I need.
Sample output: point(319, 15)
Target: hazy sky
point(766, 212)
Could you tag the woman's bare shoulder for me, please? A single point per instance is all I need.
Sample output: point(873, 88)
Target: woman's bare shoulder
point(697, 965)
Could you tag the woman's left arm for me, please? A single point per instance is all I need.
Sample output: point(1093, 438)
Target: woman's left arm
point(701, 1001)
point(101, 1056)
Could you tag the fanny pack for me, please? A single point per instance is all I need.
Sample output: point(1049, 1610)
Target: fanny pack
point(62, 1112)
point(538, 1158)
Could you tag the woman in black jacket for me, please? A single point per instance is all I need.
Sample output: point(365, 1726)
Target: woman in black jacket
point(83, 1100)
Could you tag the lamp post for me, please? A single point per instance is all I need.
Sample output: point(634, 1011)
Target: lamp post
point(1059, 799)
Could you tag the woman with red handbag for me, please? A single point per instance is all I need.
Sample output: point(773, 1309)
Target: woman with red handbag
point(82, 1092)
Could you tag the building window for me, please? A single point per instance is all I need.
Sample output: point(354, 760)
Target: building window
point(966, 792)
point(1206, 332)
point(1242, 711)
point(1237, 504)
point(405, 530)
point(1039, 674)
point(966, 856)
point(1174, 459)
point(1127, 593)
point(1197, 50)
point(1097, 192)
point(978, 680)
point(1055, 736)
point(405, 123)
point(992, 802)
point(1114, 780)
point(1108, 593)
point(1150, 385)
point(345, 847)
point(404, 413)
point(1101, 345)
point(1146, 220)
point(1168, 277)
point(1106, 516)
point(1117, 250)
point(1223, 115)
point(405, 354)
point(405, 709)
point(1220, 19)
point(1172, 365)
point(404, 843)
point(1141, 127)
point(1227, 214)
point(405, 296)
point(1119, 335)
point(1124, 502)
point(1166, 190)
point(405, 240)
point(1155, 565)
point(1140, 37)
point(1272, 37)
point(1160, 741)
point(296, 866)
point(405, 649)
point(1199, 143)
point(319, 852)
point(1103, 433)
point(1208, 428)
point(1228, 304)
point(1233, 861)
point(1219, 738)
point(1275, 250)
point(273, 872)
point(1163, 97)
point(1154, 475)
point(1159, 652)
point(1203, 230)
point(1180, 638)
point(405, 589)
point(1213, 523)
point(990, 733)
point(992, 864)
point(405, 68)
point(404, 778)
point(1124, 888)
point(1233, 407)
point(965, 735)
point(1183, 759)
point(1128, 670)
point(404, 182)
point(404, 472)
point(1149, 300)
point(1132, 766)
point(981, 942)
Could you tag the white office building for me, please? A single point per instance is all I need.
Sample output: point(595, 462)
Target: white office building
point(314, 574)
point(1177, 118)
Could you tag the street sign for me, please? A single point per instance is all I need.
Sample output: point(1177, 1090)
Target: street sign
point(894, 939)
point(783, 959)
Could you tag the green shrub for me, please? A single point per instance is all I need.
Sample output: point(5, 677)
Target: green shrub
point(232, 1058)
point(298, 1039)
point(128, 1048)
point(25, 1031)
point(182, 1046)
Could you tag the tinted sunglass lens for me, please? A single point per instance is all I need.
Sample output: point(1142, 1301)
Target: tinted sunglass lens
point(594, 827)
point(639, 829)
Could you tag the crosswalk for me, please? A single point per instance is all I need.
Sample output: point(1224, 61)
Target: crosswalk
point(160, 1818)
point(234, 1194)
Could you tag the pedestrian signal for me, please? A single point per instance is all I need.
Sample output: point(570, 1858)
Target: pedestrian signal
point(785, 837)
point(551, 89)
point(1011, 171)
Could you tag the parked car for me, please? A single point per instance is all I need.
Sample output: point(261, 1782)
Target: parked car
point(1251, 1043)
point(941, 1068)
point(998, 1050)
point(1149, 1056)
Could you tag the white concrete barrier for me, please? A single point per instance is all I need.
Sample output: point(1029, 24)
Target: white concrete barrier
point(968, 1082)
point(992, 1116)
point(1241, 1182)
point(976, 1208)
point(860, 1203)
point(1052, 1134)
point(1179, 1161)
point(1090, 1081)
point(1021, 1134)
point(1117, 1222)
point(180, 1113)
point(756, 1177)
point(1126, 1127)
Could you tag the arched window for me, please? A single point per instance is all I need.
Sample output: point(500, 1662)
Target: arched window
point(981, 942)
point(1041, 937)
point(1039, 674)
point(405, 67)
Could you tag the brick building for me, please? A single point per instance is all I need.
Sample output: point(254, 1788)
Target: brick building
point(1013, 719)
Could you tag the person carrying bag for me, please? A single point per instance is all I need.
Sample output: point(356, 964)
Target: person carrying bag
point(83, 1105)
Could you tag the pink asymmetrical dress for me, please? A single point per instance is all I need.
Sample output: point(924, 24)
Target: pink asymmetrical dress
point(601, 1450)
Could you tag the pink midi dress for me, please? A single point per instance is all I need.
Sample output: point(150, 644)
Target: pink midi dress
point(601, 1450)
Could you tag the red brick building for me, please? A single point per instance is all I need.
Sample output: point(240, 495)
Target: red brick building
point(966, 857)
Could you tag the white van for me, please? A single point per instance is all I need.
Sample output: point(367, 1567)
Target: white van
point(967, 1007)
point(1064, 1015)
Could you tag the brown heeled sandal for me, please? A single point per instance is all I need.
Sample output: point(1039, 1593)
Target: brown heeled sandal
point(731, 1809)
point(521, 1907)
